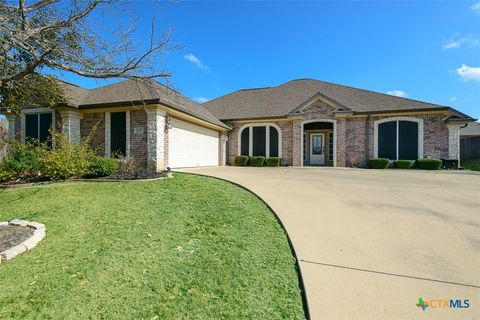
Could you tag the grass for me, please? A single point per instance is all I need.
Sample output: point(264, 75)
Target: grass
point(186, 247)
point(472, 164)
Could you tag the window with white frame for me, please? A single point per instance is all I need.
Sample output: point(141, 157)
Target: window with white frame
point(260, 140)
point(37, 127)
point(398, 140)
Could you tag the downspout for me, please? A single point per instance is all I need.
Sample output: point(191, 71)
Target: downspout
point(367, 141)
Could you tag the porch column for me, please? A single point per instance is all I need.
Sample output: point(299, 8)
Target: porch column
point(297, 157)
point(11, 126)
point(71, 124)
point(341, 140)
point(223, 149)
point(156, 133)
point(454, 141)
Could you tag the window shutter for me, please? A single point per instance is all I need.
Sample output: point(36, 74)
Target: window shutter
point(387, 140)
point(407, 140)
point(244, 139)
point(273, 142)
point(259, 141)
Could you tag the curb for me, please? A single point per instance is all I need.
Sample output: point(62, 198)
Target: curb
point(301, 283)
point(26, 245)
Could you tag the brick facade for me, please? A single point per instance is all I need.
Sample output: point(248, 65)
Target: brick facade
point(138, 141)
point(354, 136)
point(94, 124)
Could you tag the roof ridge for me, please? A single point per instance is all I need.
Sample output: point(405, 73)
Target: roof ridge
point(366, 90)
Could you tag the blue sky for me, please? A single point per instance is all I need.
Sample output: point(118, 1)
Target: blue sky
point(422, 50)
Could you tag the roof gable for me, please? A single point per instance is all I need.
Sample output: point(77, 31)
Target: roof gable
point(292, 96)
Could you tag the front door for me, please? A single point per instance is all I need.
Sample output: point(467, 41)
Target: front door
point(317, 149)
point(118, 134)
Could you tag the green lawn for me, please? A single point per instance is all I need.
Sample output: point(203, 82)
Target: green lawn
point(185, 247)
point(472, 164)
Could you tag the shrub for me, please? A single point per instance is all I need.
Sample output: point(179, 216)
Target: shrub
point(257, 161)
point(101, 167)
point(22, 161)
point(68, 160)
point(240, 161)
point(273, 162)
point(378, 163)
point(428, 164)
point(403, 164)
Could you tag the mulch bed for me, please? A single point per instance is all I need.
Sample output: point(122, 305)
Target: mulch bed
point(138, 174)
point(12, 235)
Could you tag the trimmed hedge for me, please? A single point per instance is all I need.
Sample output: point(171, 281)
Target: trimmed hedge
point(378, 163)
point(101, 167)
point(257, 161)
point(403, 164)
point(428, 164)
point(273, 162)
point(240, 161)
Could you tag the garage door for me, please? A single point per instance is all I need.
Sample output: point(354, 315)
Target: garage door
point(190, 145)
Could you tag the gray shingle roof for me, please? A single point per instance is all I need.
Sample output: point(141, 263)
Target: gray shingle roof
point(132, 91)
point(284, 99)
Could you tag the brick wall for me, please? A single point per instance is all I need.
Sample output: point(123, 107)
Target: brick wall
point(87, 126)
point(138, 141)
point(286, 128)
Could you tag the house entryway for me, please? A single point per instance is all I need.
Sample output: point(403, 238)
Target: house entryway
point(318, 143)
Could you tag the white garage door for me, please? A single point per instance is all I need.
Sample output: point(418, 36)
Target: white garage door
point(190, 145)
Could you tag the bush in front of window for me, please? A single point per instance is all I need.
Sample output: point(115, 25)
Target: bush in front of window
point(102, 167)
point(273, 162)
point(240, 161)
point(257, 161)
point(68, 160)
point(403, 164)
point(378, 163)
point(428, 164)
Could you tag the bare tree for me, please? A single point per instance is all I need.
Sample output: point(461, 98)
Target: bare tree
point(56, 34)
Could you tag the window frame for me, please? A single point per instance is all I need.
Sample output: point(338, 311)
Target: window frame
point(34, 111)
point(267, 126)
point(420, 141)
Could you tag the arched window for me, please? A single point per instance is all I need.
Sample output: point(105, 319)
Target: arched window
point(399, 139)
point(260, 140)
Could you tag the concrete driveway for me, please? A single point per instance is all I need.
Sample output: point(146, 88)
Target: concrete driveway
point(372, 242)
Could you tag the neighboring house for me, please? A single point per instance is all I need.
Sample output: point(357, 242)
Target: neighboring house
point(470, 141)
point(156, 125)
point(308, 123)
point(305, 122)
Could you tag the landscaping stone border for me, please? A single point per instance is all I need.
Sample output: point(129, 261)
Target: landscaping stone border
point(26, 245)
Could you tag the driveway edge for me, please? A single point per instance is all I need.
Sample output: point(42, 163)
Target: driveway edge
point(303, 292)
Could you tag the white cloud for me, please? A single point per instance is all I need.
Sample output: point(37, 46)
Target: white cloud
point(469, 73)
point(452, 99)
point(398, 93)
point(201, 99)
point(476, 7)
point(190, 57)
point(460, 41)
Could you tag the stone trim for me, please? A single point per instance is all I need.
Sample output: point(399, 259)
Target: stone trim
point(127, 133)
point(71, 124)
point(454, 141)
point(11, 127)
point(108, 151)
point(334, 138)
point(32, 111)
point(267, 137)
point(156, 127)
point(26, 245)
point(396, 119)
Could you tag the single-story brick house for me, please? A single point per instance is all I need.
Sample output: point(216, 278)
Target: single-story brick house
point(309, 122)
point(156, 125)
point(305, 122)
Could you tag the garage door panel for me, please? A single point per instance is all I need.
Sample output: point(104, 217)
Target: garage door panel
point(190, 145)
